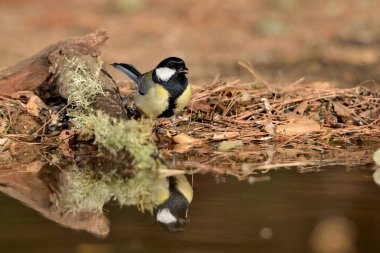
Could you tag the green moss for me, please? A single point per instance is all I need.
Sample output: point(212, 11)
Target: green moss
point(83, 83)
point(83, 89)
point(87, 192)
point(115, 135)
point(118, 135)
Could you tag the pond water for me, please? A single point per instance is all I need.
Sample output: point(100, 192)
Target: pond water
point(291, 212)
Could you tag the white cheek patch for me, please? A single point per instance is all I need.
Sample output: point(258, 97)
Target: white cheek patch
point(164, 73)
point(165, 216)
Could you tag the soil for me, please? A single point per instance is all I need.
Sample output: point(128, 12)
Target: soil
point(26, 124)
point(284, 39)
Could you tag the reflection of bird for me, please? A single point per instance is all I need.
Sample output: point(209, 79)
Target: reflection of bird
point(173, 196)
point(163, 91)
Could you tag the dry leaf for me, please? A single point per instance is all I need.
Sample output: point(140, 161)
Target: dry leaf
point(34, 166)
point(245, 98)
point(182, 148)
point(224, 136)
point(201, 106)
point(341, 109)
point(3, 126)
point(34, 106)
point(185, 138)
point(267, 105)
point(270, 129)
point(3, 143)
point(369, 114)
point(298, 126)
point(228, 145)
point(64, 144)
point(301, 108)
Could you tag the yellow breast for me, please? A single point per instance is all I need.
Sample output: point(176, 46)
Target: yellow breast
point(185, 187)
point(154, 102)
point(160, 191)
point(183, 100)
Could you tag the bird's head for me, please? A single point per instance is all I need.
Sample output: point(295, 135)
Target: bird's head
point(170, 66)
point(173, 214)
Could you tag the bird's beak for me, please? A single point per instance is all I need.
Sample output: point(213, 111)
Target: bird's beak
point(184, 70)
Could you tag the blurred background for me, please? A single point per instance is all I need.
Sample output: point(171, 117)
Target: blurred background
point(326, 40)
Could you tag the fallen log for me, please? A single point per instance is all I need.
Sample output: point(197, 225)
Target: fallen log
point(47, 69)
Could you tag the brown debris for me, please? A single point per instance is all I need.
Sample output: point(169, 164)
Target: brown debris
point(35, 106)
point(224, 136)
point(314, 116)
point(315, 111)
point(298, 126)
point(183, 138)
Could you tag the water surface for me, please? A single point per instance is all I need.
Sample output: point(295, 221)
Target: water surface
point(226, 216)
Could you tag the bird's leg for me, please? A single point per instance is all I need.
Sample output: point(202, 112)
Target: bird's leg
point(172, 121)
point(174, 159)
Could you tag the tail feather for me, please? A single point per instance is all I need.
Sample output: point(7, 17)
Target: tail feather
point(129, 70)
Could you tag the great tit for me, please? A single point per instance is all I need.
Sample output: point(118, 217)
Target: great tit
point(163, 91)
point(172, 197)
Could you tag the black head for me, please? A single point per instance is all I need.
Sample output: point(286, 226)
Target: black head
point(172, 214)
point(173, 63)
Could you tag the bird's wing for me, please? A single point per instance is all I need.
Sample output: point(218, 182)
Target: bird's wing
point(146, 83)
point(129, 70)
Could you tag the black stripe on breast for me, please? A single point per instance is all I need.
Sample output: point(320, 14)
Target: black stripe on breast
point(170, 110)
point(176, 85)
